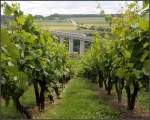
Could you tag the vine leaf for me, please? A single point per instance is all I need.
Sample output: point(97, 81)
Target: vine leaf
point(20, 20)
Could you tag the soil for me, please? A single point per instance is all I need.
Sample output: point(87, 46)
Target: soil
point(111, 100)
point(35, 111)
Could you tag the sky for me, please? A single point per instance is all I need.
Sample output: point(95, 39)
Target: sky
point(46, 8)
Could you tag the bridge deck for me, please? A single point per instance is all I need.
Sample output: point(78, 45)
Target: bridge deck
point(72, 35)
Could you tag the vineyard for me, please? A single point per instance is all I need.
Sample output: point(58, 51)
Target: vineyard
point(39, 79)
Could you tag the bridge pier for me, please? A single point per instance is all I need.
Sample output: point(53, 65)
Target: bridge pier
point(82, 47)
point(71, 37)
point(70, 45)
point(61, 39)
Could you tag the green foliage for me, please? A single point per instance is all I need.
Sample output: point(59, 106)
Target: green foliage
point(29, 54)
point(126, 55)
point(20, 20)
point(145, 3)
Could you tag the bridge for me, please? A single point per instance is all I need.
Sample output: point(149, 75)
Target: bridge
point(72, 36)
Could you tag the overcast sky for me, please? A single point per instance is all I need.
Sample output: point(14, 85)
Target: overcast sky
point(46, 8)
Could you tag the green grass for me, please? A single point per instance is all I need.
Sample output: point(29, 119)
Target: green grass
point(10, 111)
point(59, 28)
point(142, 99)
point(55, 25)
point(28, 99)
point(79, 101)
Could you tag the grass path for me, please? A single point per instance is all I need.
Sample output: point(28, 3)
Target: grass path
point(81, 99)
point(78, 100)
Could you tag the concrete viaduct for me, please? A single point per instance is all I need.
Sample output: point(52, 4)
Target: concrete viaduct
point(72, 36)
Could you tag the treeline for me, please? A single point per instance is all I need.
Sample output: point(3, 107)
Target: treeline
point(59, 16)
point(65, 16)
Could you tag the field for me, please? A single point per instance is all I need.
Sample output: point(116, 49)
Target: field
point(66, 25)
